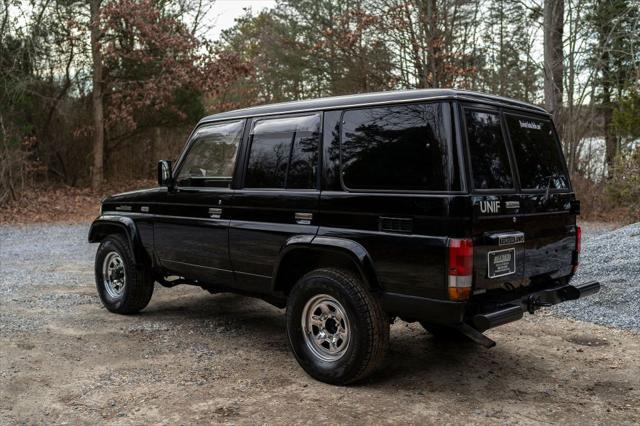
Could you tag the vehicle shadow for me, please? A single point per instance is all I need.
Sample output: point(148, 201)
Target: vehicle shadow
point(416, 362)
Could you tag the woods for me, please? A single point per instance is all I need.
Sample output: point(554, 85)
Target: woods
point(81, 83)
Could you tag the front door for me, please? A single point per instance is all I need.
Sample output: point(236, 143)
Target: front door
point(192, 221)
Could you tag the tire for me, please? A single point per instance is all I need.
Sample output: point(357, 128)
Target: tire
point(345, 311)
point(444, 333)
point(127, 289)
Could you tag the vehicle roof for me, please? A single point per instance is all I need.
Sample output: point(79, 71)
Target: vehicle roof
point(395, 96)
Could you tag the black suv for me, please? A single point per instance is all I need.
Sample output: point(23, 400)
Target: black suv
point(446, 207)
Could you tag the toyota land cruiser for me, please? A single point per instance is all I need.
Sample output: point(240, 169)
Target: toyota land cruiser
point(446, 207)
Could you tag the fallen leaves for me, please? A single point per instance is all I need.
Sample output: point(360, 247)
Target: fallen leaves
point(61, 204)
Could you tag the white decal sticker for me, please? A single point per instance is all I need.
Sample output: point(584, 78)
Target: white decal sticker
point(530, 125)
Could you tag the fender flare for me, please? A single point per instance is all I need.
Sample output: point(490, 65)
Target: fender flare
point(352, 250)
point(106, 225)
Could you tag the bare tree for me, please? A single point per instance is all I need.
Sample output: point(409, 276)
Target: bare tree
point(97, 173)
point(553, 58)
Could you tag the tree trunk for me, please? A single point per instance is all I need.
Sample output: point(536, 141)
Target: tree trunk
point(611, 144)
point(607, 77)
point(553, 59)
point(97, 172)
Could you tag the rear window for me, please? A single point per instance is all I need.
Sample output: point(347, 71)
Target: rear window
point(489, 159)
point(537, 152)
point(401, 147)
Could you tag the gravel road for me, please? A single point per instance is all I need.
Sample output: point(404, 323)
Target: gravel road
point(613, 258)
point(191, 357)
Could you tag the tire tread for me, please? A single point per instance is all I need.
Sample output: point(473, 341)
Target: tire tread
point(365, 302)
point(139, 280)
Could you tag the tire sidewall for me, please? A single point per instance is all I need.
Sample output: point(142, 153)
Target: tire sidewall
point(107, 246)
point(348, 365)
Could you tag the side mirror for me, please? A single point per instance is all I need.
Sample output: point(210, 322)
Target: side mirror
point(164, 173)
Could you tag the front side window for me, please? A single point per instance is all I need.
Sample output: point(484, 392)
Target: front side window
point(401, 147)
point(284, 153)
point(537, 152)
point(211, 156)
point(489, 159)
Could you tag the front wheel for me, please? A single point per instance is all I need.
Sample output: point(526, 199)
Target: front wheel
point(123, 288)
point(337, 329)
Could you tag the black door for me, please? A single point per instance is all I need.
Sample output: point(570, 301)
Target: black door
point(523, 227)
point(278, 198)
point(192, 223)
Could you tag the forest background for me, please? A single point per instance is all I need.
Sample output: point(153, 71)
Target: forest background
point(94, 92)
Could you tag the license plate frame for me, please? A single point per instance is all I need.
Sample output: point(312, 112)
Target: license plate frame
point(503, 267)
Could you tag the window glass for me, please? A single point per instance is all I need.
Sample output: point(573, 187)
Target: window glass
point(537, 152)
point(489, 160)
point(211, 157)
point(400, 147)
point(283, 153)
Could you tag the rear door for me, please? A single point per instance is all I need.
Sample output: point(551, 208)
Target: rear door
point(278, 195)
point(546, 195)
point(522, 226)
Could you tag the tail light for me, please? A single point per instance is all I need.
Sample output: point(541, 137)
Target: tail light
point(576, 252)
point(460, 268)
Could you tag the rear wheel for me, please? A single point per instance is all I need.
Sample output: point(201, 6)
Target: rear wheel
point(337, 329)
point(123, 288)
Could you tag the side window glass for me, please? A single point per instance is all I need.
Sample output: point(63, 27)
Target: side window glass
point(489, 160)
point(401, 147)
point(283, 153)
point(211, 157)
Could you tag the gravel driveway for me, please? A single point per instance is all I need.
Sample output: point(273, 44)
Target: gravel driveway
point(613, 258)
point(191, 357)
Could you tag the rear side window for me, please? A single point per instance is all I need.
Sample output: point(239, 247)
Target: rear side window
point(537, 152)
point(401, 147)
point(283, 153)
point(489, 159)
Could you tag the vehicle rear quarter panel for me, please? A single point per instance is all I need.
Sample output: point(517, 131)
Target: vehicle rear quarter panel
point(412, 262)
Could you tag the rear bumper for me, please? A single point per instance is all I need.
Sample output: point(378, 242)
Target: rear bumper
point(414, 308)
point(444, 312)
point(531, 302)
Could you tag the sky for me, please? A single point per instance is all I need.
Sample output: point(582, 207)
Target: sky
point(226, 11)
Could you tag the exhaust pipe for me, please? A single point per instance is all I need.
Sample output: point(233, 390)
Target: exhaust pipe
point(475, 335)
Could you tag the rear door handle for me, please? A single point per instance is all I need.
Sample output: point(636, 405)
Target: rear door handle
point(215, 213)
point(304, 218)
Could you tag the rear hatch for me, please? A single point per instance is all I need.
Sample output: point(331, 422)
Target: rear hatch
point(523, 218)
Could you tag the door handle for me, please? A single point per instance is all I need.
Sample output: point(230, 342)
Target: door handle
point(215, 213)
point(303, 218)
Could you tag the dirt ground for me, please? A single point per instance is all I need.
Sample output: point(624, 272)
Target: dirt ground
point(192, 357)
point(195, 358)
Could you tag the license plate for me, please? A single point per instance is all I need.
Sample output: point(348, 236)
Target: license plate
point(501, 262)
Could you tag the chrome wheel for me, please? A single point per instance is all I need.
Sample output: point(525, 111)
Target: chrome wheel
point(114, 276)
point(325, 326)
